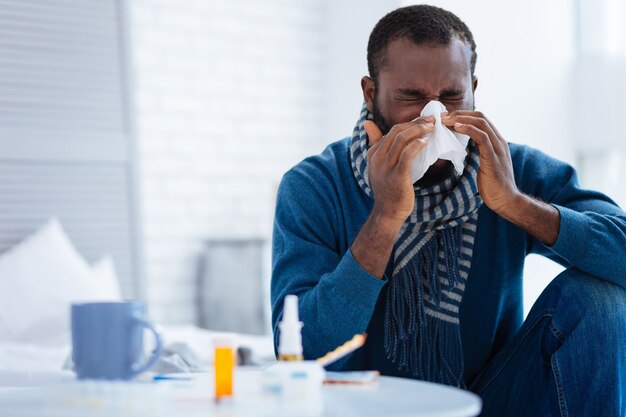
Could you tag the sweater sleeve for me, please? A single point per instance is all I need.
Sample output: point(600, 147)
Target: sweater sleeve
point(336, 295)
point(592, 227)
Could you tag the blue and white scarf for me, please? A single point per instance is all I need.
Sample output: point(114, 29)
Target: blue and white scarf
point(431, 261)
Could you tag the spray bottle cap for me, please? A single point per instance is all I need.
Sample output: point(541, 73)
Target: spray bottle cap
point(290, 340)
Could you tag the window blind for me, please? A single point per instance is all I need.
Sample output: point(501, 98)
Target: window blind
point(66, 146)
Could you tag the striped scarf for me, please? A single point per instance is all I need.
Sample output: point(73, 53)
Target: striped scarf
point(431, 261)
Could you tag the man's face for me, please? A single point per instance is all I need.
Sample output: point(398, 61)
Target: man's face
point(412, 76)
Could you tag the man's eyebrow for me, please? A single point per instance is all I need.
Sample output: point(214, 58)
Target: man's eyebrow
point(452, 92)
point(412, 92)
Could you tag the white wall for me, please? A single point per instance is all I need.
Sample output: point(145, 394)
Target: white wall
point(228, 97)
point(599, 88)
point(231, 93)
point(348, 26)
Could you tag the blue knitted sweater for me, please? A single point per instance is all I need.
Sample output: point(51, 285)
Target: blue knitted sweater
point(320, 210)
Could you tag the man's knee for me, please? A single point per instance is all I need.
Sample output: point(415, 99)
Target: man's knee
point(582, 299)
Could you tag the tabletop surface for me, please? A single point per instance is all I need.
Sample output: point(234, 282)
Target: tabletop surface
point(67, 397)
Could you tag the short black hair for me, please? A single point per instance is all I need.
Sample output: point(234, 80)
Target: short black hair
point(422, 24)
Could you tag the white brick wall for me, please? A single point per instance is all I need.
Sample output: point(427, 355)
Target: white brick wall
point(228, 96)
point(231, 93)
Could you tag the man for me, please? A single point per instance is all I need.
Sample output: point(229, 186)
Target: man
point(432, 271)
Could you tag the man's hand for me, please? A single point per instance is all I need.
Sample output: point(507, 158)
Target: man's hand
point(389, 166)
point(389, 170)
point(496, 182)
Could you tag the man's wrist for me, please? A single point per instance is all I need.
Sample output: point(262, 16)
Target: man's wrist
point(514, 207)
point(539, 219)
point(386, 222)
point(374, 243)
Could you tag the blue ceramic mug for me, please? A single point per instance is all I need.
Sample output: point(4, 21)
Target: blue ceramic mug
point(107, 340)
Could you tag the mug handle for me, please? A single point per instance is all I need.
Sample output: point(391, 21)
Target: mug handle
point(137, 368)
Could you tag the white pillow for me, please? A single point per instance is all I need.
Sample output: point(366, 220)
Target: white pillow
point(108, 284)
point(39, 278)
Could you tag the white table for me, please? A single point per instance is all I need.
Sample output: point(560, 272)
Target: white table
point(65, 397)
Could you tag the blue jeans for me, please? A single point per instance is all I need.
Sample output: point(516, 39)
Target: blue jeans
point(569, 357)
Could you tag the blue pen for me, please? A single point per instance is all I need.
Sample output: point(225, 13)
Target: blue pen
point(161, 377)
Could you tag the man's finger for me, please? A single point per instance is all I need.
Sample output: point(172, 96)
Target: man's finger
point(481, 124)
point(372, 150)
point(481, 139)
point(404, 138)
point(409, 153)
point(447, 117)
point(373, 132)
point(461, 113)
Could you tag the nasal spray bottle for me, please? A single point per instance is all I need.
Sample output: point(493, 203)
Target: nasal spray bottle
point(290, 338)
point(292, 378)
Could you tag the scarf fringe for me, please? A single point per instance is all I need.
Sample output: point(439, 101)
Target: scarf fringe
point(409, 330)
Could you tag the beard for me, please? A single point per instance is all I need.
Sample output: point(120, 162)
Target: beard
point(437, 172)
point(379, 119)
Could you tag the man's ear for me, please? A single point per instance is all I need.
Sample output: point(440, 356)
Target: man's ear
point(474, 83)
point(368, 87)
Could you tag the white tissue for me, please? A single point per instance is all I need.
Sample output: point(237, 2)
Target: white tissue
point(443, 143)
